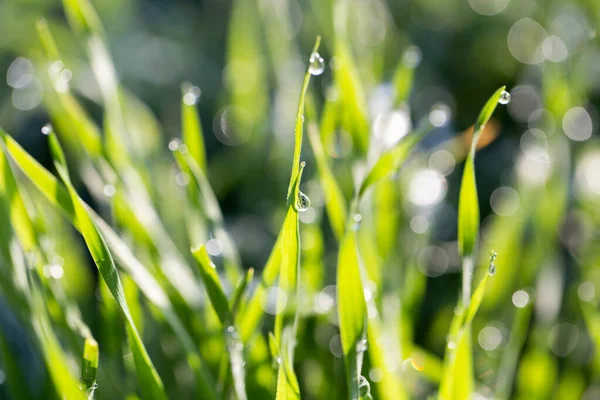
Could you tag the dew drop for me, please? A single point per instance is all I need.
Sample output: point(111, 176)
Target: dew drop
point(492, 269)
point(451, 345)
point(303, 202)
point(47, 129)
point(316, 64)
point(493, 256)
point(364, 388)
point(504, 98)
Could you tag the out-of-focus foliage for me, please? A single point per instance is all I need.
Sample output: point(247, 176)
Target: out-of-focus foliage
point(221, 276)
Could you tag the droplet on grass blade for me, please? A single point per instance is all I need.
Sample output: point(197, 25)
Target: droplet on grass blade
point(303, 202)
point(364, 388)
point(316, 64)
point(504, 98)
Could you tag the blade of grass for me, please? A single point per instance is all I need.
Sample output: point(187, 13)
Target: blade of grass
point(212, 283)
point(89, 365)
point(150, 383)
point(352, 311)
point(457, 380)
point(191, 128)
point(468, 204)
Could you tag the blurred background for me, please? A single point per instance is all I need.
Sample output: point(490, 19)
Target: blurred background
point(538, 168)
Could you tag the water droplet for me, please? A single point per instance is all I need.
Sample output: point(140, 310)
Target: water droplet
point(362, 346)
point(364, 388)
point(492, 269)
point(451, 345)
point(504, 98)
point(91, 390)
point(493, 256)
point(47, 129)
point(303, 202)
point(174, 144)
point(316, 64)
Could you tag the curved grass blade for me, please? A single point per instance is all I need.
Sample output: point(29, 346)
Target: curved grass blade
point(67, 113)
point(391, 160)
point(191, 128)
point(217, 296)
point(468, 203)
point(300, 124)
point(58, 196)
point(210, 278)
point(253, 313)
point(150, 383)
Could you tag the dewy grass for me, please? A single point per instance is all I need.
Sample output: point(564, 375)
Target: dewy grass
point(334, 311)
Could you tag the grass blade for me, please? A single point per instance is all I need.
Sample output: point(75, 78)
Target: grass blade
point(352, 310)
point(89, 365)
point(191, 127)
point(468, 204)
point(210, 278)
point(457, 380)
point(149, 381)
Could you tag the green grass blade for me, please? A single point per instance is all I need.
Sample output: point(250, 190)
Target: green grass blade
point(82, 17)
point(468, 204)
point(150, 383)
point(352, 310)
point(300, 124)
point(210, 278)
point(191, 128)
point(89, 365)
point(403, 78)
point(468, 210)
point(335, 203)
point(67, 114)
point(457, 381)
point(391, 160)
